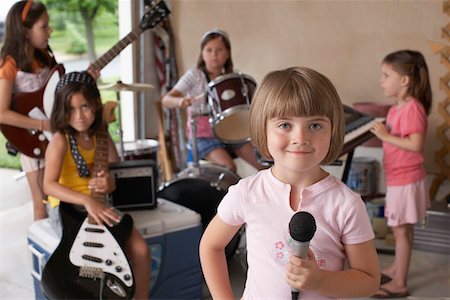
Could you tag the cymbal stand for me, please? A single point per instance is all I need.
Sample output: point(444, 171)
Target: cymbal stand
point(194, 149)
point(119, 122)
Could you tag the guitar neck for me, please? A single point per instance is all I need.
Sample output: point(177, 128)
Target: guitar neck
point(100, 164)
point(102, 61)
point(151, 18)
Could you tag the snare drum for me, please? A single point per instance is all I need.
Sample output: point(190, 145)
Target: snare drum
point(229, 98)
point(201, 189)
point(140, 149)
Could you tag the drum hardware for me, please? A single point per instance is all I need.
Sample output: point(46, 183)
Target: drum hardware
point(118, 87)
point(244, 90)
point(194, 141)
point(201, 187)
point(199, 110)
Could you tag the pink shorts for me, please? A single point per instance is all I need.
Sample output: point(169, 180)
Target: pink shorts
point(406, 204)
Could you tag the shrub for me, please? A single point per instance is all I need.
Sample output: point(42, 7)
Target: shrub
point(77, 43)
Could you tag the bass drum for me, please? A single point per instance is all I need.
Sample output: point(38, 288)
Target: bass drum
point(201, 189)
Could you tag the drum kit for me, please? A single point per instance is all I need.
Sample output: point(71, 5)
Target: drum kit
point(201, 187)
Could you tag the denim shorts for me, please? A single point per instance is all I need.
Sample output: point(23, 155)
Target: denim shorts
point(55, 220)
point(206, 145)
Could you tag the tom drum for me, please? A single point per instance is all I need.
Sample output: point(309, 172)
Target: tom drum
point(229, 98)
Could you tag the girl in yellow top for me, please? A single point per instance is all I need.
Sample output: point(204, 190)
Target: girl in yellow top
point(75, 120)
point(26, 61)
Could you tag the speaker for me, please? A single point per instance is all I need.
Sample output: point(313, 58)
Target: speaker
point(136, 184)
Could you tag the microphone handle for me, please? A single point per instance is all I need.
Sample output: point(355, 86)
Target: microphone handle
point(299, 249)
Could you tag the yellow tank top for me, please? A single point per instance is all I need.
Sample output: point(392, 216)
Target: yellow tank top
point(69, 174)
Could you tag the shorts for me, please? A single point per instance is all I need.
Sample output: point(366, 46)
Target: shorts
point(406, 204)
point(30, 164)
point(55, 220)
point(207, 145)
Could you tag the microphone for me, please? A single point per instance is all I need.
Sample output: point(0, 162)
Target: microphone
point(301, 228)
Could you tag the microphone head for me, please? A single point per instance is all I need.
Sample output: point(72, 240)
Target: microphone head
point(302, 226)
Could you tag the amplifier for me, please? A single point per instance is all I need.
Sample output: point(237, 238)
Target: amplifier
point(136, 184)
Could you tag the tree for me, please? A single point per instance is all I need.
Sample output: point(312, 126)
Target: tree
point(88, 9)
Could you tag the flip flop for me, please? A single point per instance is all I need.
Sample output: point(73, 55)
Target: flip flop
point(390, 295)
point(385, 279)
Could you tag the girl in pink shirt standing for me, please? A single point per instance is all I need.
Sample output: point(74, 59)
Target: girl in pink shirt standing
point(405, 78)
point(296, 119)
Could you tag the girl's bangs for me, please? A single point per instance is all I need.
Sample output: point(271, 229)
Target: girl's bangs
point(295, 102)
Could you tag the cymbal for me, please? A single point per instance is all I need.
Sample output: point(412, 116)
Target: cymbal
point(134, 87)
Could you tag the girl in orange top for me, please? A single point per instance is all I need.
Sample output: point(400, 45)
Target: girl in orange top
point(25, 63)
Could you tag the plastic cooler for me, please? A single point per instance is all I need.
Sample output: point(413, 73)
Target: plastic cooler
point(173, 234)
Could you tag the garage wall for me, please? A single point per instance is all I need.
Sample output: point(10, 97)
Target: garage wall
point(345, 40)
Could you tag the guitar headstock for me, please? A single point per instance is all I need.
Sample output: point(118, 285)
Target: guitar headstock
point(154, 15)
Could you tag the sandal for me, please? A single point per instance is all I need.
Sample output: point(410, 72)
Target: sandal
point(390, 295)
point(385, 279)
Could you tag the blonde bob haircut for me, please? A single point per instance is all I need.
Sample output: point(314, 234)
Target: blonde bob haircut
point(296, 92)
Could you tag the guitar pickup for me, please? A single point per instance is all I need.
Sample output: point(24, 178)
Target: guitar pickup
point(92, 258)
point(95, 230)
point(92, 244)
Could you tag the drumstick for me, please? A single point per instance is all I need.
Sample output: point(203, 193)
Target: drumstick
point(165, 162)
point(200, 110)
point(198, 97)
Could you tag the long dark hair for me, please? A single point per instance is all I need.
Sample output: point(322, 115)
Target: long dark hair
point(412, 64)
point(15, 39)
point(61, 109)
point(228, 66)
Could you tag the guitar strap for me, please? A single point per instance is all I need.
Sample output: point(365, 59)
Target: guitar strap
point(52, 56)
point(82, 167)
point(80, 162)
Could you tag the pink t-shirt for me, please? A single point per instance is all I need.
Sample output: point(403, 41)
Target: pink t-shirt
point(401, 166)
point(193, 83)
point(261, 202)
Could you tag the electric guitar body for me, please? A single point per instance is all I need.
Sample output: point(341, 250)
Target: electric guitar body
point(32, 142)
point(89, 262)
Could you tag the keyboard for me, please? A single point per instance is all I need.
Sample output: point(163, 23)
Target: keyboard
point(357, 125)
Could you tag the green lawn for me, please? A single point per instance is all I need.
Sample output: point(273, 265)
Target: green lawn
point(6, 160)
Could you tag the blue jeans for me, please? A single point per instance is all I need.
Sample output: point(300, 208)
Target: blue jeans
point(207, 145)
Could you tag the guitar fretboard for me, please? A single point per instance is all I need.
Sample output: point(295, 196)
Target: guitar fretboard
point(100, 164)
point(117, 48)
point(152, 17)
